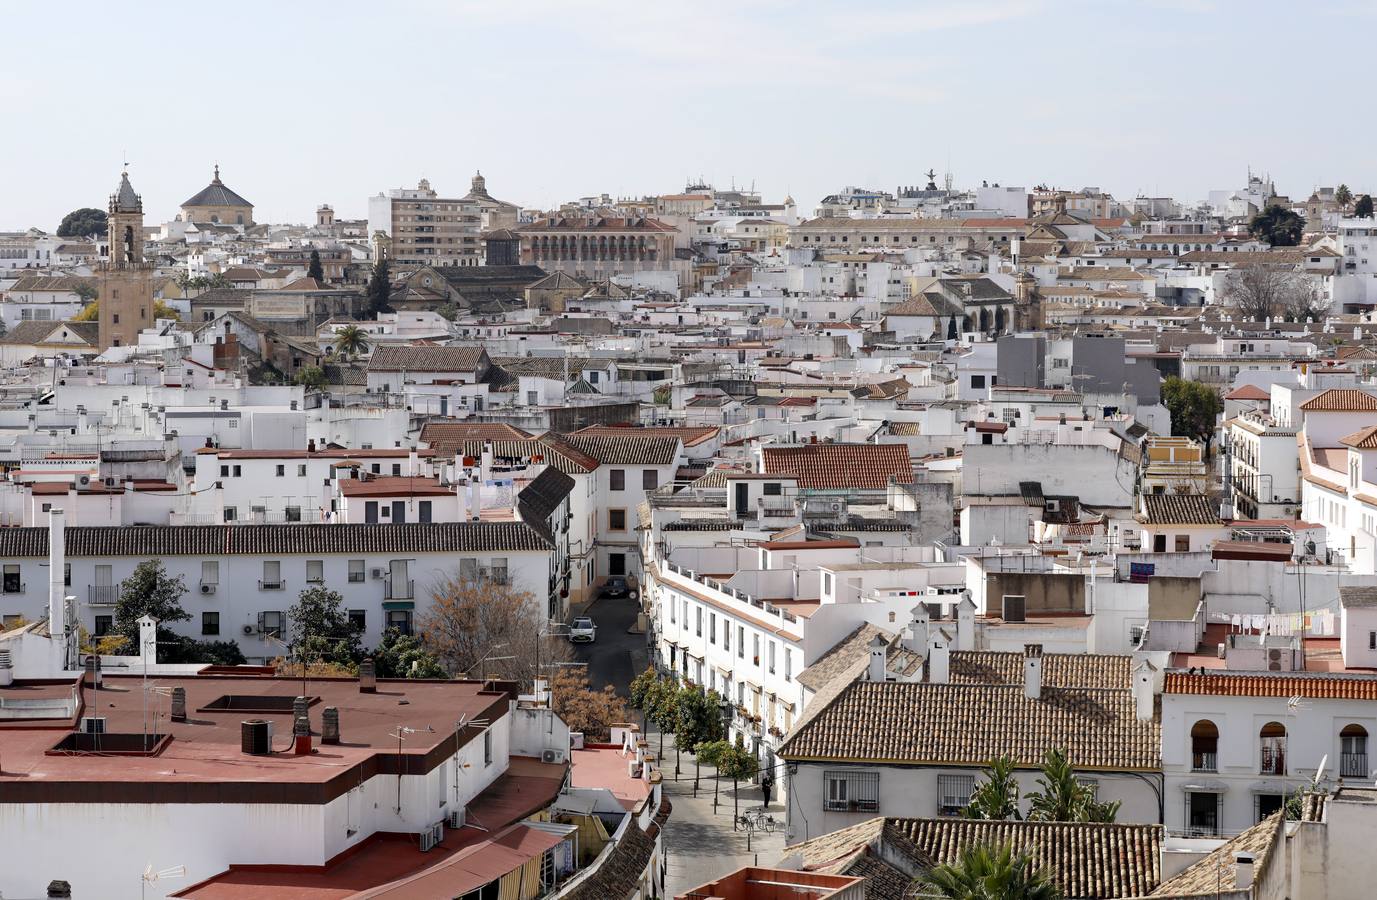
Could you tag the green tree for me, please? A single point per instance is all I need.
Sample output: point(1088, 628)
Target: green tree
point(321, 630)
point(713, 753)
point(380, 288)
point(1343, 196)
point(89, 313)
point(983, 872)
point(997, 795)
point(1363, 208)
point(149, 591)
point(313, 268)
point(405, 656)
point(449, 312)
point(162, 311)
point(84, 222)
point(350, 341)
point(86, 291)
point(739, 765)
point(312, 377)
point(1062, 797)
point(661, 706)
point(699, 721)
point(1278, 226)
point(1194, 407)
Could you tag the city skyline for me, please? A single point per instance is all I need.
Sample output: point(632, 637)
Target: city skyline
point(800, 101)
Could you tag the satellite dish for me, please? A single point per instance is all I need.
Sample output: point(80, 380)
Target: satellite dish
point(1319, 772)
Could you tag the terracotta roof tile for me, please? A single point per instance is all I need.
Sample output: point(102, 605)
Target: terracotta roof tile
point(1178, 509)
point(1215, 873)
point(1341, 400)
point(841, 466)
point(1318, 686)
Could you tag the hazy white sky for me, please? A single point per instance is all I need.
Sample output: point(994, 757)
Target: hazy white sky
point(304, 103)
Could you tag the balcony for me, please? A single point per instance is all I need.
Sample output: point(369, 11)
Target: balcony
point(102, 594)
point(278, 585)
point(1353, 765)
point(1204, 761)
point(399, 590)
point(1273, 756)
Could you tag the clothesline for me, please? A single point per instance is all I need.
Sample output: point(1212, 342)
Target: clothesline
point(1313, 622)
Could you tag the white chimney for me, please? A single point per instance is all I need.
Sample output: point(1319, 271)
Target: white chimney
point(1144, 693)
point(57, 567)
point(148, 640)
point(413, 463)
point(918, 628)
point(879, 652)
point(939, 661)
point(1032, 671)
point(1243, 870)
point(965, 624)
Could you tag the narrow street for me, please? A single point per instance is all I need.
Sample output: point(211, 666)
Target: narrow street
point(615, 656)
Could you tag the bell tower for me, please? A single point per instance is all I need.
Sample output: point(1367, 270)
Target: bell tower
point(125, 223)
point(126, 281)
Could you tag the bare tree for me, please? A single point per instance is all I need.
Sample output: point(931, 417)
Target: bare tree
point(482, 628)
point(1258, 292)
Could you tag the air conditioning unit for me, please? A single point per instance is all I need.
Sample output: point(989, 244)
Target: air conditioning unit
point(552, 756)
point(83, 481)
point(207, 588)
point(249, 629)
point(456, 818)
point(377, 573)
point(432, 836)
point(93, 724)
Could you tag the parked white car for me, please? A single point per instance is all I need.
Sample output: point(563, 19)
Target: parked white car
point(583, 630)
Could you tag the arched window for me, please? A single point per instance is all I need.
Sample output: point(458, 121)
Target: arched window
point(1204, 746)
point(1353, 752)
point(1273, 745)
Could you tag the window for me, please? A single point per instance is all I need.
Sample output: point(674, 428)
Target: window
point(712, 628)
point(104, 624)
point(650, 479)
point(1272, 746)
point(772, 489)
point(224, 471)
point(1353, 752)
point(271, 623)
point(315, 571)
point(291, 513)
point(616, 520)
point(788, 664)
point(423, 513)
point(210, 623)
point(1183, 543)
point(726, 636)
point(11, 583)
point(852, 791)
point(698, 621)
point(238, 471)
point(487, 746)
point(399, 619)
point(755, 648)
point(356, 570)
point(1204, 746)
point(827, 583)
point(954, 793)
point(210, 571)
point(272, 576)
point(358, 619)
point(616, 480)
point(669, 601)
point(977, 381)
point(396, 468)
point(231, 513)
point(281, 471)
point(772, 657)
point(741, 642)
point(499, 570)
point(301, 470)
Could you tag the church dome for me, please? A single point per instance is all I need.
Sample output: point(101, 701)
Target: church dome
point(216, 194)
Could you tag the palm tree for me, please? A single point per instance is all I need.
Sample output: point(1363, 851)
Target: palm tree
point(351, 340)
point(997, 796)
point(1343, 196)
point(1061, 798)
point(990, 873)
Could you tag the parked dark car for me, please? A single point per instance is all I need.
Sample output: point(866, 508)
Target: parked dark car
point(617, 588)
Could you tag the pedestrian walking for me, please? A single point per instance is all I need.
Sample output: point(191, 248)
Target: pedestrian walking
point(767, 782)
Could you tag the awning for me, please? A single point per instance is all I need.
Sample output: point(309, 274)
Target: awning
point(1206, 786)
point(399, 604)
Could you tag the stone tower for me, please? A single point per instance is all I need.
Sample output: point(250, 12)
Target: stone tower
point(126, 281)
point(325, 216)
point(125, 224)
